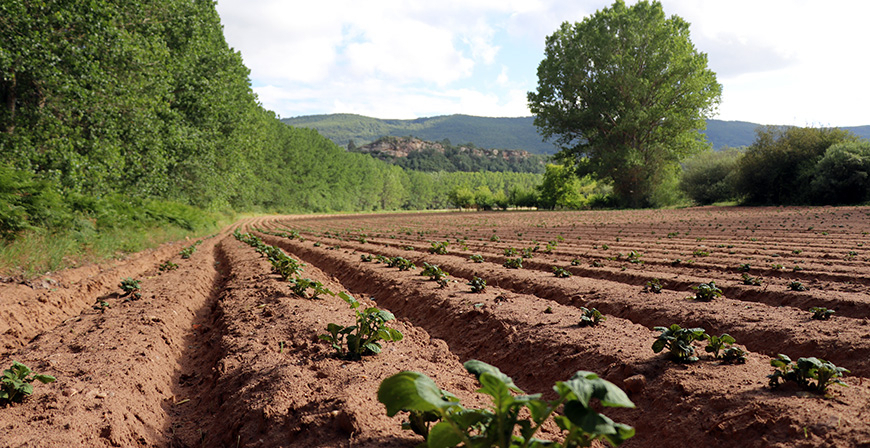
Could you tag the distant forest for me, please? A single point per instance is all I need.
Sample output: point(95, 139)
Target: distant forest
point(498, 133)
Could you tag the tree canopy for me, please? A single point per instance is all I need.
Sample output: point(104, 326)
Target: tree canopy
point(624, 93)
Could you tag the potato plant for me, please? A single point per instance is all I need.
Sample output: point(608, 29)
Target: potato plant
point(402, 263)
point(477, 284)
point(730, 354)
point(477, 258)
point(706, 292)
point(301, 285)
point(514, 263)
point(561, 272)
point(439, 248)
point(654, 286)
point(590, 317)
point(751, 281)
point(363, 338)
point(812, 374)
point(514, 418)
point(15, 384)
point(679, 341)
point(131, 289)
point(796, 286)
point(434, 272)
point(821, 313)
point(167, 266)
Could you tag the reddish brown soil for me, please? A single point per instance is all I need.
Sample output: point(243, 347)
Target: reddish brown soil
point(221, 353)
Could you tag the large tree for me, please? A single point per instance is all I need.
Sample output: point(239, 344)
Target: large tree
point(624, 93)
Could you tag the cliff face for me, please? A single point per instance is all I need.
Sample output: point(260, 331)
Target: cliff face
point(403, 146)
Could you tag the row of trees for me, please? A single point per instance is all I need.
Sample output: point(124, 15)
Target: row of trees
point(784, 166)
point(143, 102)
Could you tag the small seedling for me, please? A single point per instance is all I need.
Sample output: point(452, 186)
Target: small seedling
point(510, 252)
point(434, 272)
point(301, 285)
point(477, 284)
point(825, 373)
point(734, 355)
point(15, 384)
point(706, 292)
point(365, 258)
point(576, 262)
point(362, 339)
point(561, 272)
point(751, 281)
point(476, 258)
point(678, 341)
point(597, 264)
point(717, 343)
point(167, 266)
point(590, 317)
point(653, 286)
point(796, 286)
point(514, 263)
point(821, 313)
point(402, 263)
point(439, 248)
point(129, 286)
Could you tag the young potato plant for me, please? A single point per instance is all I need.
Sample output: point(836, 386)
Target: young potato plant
point(402, 263)
point(678, 341)
point(433, 272)
point(812, 374)
point(188, 251)
point(730, 354)
point(561, 272)
point(706, 292)
point(514, 418)
point(510, 252)
point(751, 281)
point(514, 263)
point(477, 258)
point(821, 313)
point(301, 285)
point(129, 286)
point(439, 248)
point(477, 284)
point(167, 266)
point(591, 317)
point(15, 384)
point(654, 286)
point(363, 338)
point(365, 258)
point(286, 267)
point(796, 286)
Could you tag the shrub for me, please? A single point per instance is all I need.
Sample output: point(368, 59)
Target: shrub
point(711, 176)
point(842, 176)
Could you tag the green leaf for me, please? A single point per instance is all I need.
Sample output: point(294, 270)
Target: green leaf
point(477, 368)
point(411, 391)
point(659, 345)
point(442, 435)
point(587, 385)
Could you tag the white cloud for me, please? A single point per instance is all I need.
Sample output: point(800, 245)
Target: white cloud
point(780, 62)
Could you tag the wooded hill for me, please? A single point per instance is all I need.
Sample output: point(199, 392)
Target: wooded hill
point(497, 133)
point(412, 153)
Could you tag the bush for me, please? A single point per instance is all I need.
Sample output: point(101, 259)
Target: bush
point(781, 163)
point(711, 176)
point(842, 176)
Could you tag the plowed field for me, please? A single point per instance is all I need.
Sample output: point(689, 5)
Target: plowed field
point(221, 353)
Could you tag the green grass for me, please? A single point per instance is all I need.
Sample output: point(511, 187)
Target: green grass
point(113, 234)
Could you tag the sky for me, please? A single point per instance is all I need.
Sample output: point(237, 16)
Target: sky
point(782, 62)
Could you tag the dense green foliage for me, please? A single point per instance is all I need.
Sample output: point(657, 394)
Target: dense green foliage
point(624, 92)
point(711, 176)
point(116, 115)
point(782, 164)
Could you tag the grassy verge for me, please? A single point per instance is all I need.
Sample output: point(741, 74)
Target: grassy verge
point(111, 230)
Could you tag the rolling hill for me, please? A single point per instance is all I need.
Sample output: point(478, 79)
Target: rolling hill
point(497, 133)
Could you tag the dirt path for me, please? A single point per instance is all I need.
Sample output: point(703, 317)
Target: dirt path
point(221, 352)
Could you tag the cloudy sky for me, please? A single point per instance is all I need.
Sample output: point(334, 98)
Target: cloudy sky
point(792, 62)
